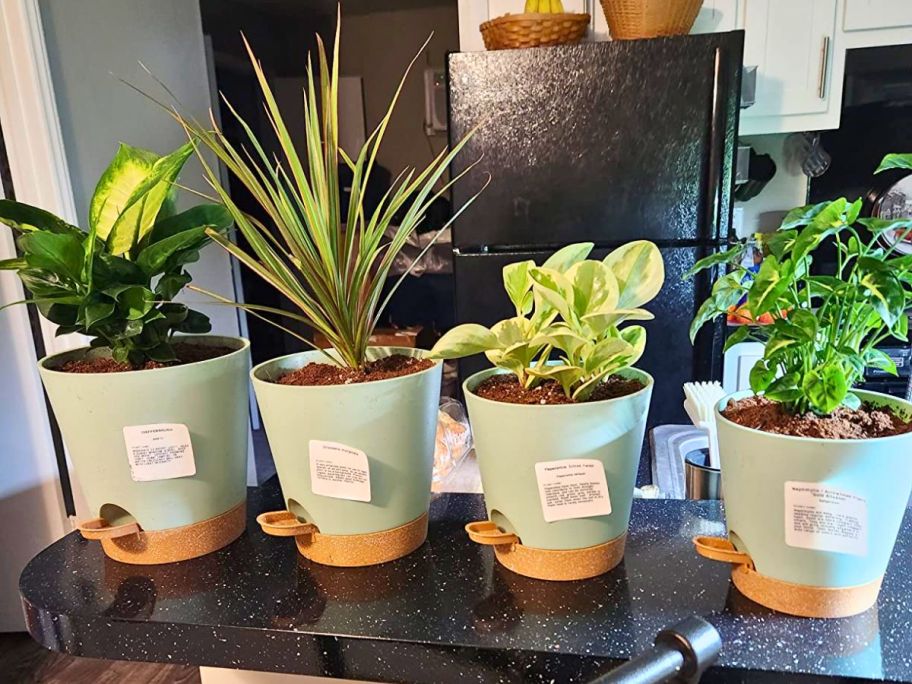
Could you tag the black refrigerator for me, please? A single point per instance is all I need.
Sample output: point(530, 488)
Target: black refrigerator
point(603, 142)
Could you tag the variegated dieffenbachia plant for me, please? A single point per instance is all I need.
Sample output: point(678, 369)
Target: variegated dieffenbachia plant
point(115, 281)
point(569, 313)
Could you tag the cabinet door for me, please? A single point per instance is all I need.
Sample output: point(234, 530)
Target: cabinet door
point(791, 42)
point(861, 15)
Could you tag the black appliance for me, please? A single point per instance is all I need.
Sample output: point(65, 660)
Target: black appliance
point(876, 111)
point(603, 142)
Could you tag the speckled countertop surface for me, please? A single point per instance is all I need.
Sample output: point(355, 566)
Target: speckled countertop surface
point(448, 613)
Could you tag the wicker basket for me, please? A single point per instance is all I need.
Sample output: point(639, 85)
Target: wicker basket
point(628, 19)
point(534, 30)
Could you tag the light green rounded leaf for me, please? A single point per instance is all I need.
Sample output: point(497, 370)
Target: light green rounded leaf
point(464, 340)
point(595, 289)
point(555, 288)
point(639, 270)
point(635, 336)
point(565, 257)
point(517, 283)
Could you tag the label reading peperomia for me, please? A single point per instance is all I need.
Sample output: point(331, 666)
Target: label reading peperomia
point(572, 488)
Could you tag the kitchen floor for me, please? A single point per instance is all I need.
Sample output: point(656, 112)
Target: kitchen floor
point(23, 661)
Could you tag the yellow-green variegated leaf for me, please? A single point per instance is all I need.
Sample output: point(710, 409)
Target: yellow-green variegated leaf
point(565, 257)
point(146, 200)
point(560, 337)
point(566, 376)
point(555, 289)
point(635, 336)
point(599, 322)
point(518, 284)
point(464, 340)
point(612, 350)
point(511, 331)
point(126, 171)
point(639, 270)
point(595, 288)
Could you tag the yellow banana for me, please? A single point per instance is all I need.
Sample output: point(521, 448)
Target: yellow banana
point(557, 7)
point(532, 6)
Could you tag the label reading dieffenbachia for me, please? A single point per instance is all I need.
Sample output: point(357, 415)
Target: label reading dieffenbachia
point(825, 519)
point(572, 488)
point(339, 471)
point(161, 451)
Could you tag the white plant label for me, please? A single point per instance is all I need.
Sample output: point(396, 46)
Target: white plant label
point(161, 451)
point(825, 519)
point(573, 488)
point(339, 471)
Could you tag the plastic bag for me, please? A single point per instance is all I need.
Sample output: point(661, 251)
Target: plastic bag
point(454, 441)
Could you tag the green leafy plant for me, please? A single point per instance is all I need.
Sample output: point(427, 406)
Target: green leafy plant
point(115, 282)
point(333, 271)
point(571, 306)
point(825, 327)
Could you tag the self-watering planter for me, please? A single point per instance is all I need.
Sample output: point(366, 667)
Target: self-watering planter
point(811, 522)
point(558, 479)
point(354, 461)
point(161, 454)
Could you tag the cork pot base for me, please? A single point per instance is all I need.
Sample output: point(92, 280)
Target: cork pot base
point(561, 565)
point(357, 550)
point(802, 600)
point(178, 543)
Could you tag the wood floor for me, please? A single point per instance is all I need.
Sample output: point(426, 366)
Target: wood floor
point(22, 661)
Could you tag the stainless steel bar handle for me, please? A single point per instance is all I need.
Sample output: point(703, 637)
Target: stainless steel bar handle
point(824, 60)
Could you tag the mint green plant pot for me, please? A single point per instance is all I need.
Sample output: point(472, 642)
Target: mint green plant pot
point(210, 398)
point(393, 421)
point(511, 438)
point(757, 465)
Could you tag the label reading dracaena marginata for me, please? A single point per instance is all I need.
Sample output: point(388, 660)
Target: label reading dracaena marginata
point(161, 451)
point(339, 471)
point(572, 488)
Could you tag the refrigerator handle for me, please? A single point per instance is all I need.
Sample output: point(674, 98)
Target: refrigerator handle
point(716, 145)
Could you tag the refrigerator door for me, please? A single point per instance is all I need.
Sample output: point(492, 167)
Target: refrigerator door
point(669, 357)
point(602, 141)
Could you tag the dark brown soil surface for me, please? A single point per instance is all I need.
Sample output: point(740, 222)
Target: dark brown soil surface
point(506, 388)
point(393, 366)
point(866, 422)
point(186, 353)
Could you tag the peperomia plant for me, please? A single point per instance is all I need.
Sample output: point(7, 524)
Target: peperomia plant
point(825, 327)
point(572, 307)
point(115, 282)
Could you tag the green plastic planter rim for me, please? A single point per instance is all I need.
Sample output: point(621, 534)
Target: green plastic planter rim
point(879, 397)
point(256, 373)
point(242, 344)
point(631, 373)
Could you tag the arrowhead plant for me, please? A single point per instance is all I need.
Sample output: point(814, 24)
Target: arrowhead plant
point(572, 308)
point(825, 328)
point(115, 281)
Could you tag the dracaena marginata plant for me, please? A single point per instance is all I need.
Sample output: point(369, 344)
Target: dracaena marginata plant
point(333, 271)
point(825, 327)
point(115, 281)
point(571, 307)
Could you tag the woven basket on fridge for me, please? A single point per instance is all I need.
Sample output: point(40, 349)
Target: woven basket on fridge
point(628, 19)
point(534, 30)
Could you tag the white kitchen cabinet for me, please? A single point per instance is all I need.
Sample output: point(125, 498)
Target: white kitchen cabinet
point(863, 15)
point(792, 44)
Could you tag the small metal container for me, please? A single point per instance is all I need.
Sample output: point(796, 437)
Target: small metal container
point(700, 480)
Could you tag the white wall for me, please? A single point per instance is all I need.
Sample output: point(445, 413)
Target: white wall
point(91, 45)
point(31, 508)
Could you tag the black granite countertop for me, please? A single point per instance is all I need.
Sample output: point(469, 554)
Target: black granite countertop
point(448, 612)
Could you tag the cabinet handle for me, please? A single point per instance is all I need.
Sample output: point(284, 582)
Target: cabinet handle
point(824, 59)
